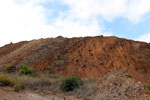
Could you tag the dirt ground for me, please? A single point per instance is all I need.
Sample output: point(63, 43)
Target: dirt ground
point(8, 94)
point(115, 85)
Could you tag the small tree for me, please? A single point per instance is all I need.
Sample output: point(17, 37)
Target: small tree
point(69, 84)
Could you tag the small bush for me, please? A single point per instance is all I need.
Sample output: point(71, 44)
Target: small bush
point(6, 81)
point(25, 70)
point(69, 84)
point(148, 86)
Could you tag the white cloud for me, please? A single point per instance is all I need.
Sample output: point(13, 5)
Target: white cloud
point(20, 22)
point(144, 38)
point(136, 9)
point(70, 28)
point(132, 10)
point(26, 19)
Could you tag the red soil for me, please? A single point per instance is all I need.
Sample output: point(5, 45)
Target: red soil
point(84, 57)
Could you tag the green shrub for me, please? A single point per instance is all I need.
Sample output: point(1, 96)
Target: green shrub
point(6, 81)
point(69, 84)
point(25, 70)
point(148, 86)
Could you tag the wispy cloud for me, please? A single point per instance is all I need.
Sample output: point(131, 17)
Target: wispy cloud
point(132, 10)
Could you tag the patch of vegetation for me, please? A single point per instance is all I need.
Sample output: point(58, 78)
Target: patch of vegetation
point(8, 68)
point(7, 81)
point(69, 84)
point(52, 83)
point(25, 70)
point(59, 39)
point(45, 83)
point(18, 86)
point(147, 86)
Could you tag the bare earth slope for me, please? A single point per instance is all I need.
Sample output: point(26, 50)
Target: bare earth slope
point(121, 66)
point(84, 57)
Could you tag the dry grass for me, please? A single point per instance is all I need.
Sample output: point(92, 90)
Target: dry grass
point(86, 90)
point(42, 83)
point(46, 83)
point(29, 47)
point(5, 80)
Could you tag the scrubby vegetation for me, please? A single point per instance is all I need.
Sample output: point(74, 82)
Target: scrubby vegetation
point(7, 81)
point(7, 68)
point(25, 70)
point(148, 86)
point(18, 86)
point(46, 83)
point(69, 84)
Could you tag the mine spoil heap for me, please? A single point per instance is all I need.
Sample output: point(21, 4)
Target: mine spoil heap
point(84, 57)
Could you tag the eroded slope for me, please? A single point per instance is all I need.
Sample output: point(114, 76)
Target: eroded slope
point(84, 57)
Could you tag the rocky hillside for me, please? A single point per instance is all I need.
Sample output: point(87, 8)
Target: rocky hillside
point(84, 57)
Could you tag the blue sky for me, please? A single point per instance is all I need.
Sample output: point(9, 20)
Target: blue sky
point(126, 29)
point(33, 19)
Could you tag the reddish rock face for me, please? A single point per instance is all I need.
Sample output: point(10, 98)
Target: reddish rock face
point(98, 55)
point(84, 57)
